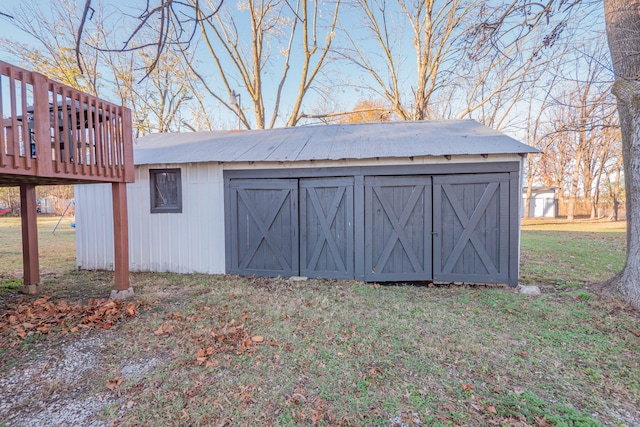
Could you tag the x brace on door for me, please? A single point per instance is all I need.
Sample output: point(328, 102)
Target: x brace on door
point(325, 220)
point(469, 224)
point(398, 224)
point(263, 227)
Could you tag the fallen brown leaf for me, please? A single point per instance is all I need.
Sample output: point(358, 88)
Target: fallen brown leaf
point(164, 329)
point(114, 383)
point(131, 309)
point(212, 363)
point(201, 356)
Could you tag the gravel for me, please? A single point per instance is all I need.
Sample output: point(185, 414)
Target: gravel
point(57, 385)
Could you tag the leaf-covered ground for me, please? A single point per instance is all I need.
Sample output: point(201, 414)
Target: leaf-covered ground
point(44, 316)
point(212, 350)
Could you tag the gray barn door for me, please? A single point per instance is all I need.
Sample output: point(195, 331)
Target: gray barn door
point(264, 226)
point(471, 227)
point(326, 227)
point(398, 228)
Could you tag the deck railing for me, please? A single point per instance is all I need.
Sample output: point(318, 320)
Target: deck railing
point(52, 131)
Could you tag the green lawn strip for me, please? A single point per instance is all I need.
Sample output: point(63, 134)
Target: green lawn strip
point(57, 251)
point(567, 257)
point(10, 285)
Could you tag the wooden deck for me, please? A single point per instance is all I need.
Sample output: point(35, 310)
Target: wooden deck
point(54, 134)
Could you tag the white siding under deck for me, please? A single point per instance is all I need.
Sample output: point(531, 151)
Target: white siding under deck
point(187, 242)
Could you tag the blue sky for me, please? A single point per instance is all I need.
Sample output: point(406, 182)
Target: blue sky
point(341, 85)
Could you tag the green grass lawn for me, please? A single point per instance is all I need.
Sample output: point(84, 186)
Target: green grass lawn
point(558, 252)
point(57, 251)
point(333, 353)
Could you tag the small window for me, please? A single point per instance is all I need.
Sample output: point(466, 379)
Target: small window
point(166, 190)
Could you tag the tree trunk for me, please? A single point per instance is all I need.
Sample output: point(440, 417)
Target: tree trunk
point(596, 190)
point(587, 180)
point(623, 32)
point(573, 193)
point(616, 193)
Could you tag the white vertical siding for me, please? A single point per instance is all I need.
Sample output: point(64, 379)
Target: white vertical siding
point(187, 242)
point(94, 226)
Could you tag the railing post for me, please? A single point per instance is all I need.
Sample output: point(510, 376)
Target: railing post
point(42, 127)
point(29, 239)
point(123, 288)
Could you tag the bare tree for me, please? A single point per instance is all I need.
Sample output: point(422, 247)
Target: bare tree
point(472, 59)
point(535, 136)
point(245, 61)
point(601, 157)
point(623, 32)
point(433, 31)
point(246, 43)
point(165, 101)
point(615, 189)
point(10, 198)
point(584, 102)
point(54, 56)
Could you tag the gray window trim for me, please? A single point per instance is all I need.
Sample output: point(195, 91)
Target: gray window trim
point(177, 208)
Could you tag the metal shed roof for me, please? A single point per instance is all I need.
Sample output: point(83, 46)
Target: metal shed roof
point(328, 142)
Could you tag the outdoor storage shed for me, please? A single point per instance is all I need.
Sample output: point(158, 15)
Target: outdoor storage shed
point(397, 201)
point(543, 202)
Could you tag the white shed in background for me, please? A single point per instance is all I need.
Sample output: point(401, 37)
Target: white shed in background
point(393, 201)
point(543, 202)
